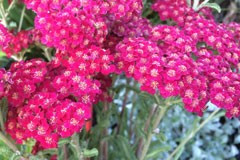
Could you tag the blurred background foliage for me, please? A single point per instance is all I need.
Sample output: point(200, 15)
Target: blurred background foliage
point(119, 127)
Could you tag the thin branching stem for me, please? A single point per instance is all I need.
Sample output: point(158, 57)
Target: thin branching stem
point(75, 139)
point(104, 144)
point(21, 19)
point(156, 121)
point(123, 108)
point(195, 4)
point(1, 121)
point(192, 134)
point(10, 7)
point(146, 128)
point(8, 143)
point(2, 12)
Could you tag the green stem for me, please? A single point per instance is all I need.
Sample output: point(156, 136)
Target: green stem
point(47, 54)
point(157, 99)
point(152, 111)
point(192, 134)
point(195, 4)
point(48, 151)
point(155, 125)
point(77, 147)
point(201, 5)
point(131, 115)
point(16, 58)
point(104, 144)
point(2, 12)
point(189, 2)
point(20, 56)
point(2, 122)
point(46, 51)
point(29, 19)
point(8, 143)
point(65, 152)
point(174, 102)
point(10, 7)
point(21, 18)
point(123, 108)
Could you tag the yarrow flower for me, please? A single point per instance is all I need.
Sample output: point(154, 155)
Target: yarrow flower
point(89, 61)
point(217, 59)
point(2, 81)
point(5, 36)
point(51, 101)
point(11, 43)
point(156, 69)
point(70, 24)
point(185, 69)
point(197, 60)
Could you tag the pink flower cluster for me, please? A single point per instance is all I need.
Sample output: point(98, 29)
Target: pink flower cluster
point(11, 43)
point(172, 73)
point(88, 61)
point(4, 77)
point(47, 102)
point(197, 60)
point(72, 24)
point(5, 36)
point(179, 11)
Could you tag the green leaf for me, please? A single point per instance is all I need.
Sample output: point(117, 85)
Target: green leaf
point(141, 132)
point(2, 54)
point(5, 152)
point(75, 154)
point(35, 158)
point(15, 15)
point(3, 61)
point(179, 153)
point(90, 153)
point(156, 152)
point(61, 142)
point(29, 144)
point(48, 151)
point(15, 157)
point(211, 5)
point(161, 137)
point(124, 146)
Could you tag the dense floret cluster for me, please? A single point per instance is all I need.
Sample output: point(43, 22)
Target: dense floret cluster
point(11, 43)
point(46, 102)
point(215, 50)
point(197, 59)
point(69, 25)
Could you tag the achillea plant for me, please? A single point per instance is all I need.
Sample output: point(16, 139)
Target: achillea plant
point(70, 62)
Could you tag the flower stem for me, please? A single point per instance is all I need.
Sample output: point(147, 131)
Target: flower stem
point(65, 152)
point(8, 143)
point(21, 19)
point(77, 147)
point(156, 122)
point(123, 108)
point(2, 122)
point(146, 128)
point(104, 144)
point(2, 12)
point(195, 4)
point(189, 2)
point(10, 7)
point(47, 54)
point(192, 134)
point(46, 51)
